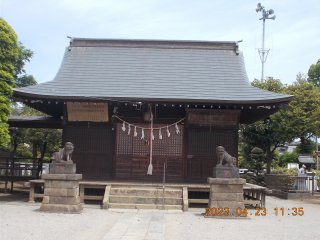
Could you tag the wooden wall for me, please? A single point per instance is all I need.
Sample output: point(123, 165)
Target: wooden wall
point(201, 146)
point(93, 148)
point(103, 151)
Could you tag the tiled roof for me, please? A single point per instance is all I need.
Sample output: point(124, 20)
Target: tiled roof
point(154, 71)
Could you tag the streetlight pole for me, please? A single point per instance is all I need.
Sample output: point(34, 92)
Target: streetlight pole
point(262, 51)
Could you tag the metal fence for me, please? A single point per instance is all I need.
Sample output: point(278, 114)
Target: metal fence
point(291, 183)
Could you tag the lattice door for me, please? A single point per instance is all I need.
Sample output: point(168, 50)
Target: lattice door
point(132, 153)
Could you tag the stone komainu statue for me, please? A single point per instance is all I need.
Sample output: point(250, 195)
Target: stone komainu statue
point(64, 155)
point(223, 155)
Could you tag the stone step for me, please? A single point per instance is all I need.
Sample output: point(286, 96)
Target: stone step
point(144, 206)
point(144, 200)
point(146, 191)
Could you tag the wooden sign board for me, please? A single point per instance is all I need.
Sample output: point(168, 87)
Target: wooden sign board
point(87, 112)
point(213, 117)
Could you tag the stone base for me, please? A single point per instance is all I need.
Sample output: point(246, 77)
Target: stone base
point(226, 194)
point(61, 193)
point(61, 208)
point(62, 168)
point(223, 171)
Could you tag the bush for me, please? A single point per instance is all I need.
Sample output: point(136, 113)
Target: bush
point(285, 171)
point(288, 158)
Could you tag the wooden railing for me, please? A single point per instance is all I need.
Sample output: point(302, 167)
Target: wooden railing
point(12, 169)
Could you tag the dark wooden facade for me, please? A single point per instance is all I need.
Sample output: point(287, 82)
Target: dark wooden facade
point(103, 151)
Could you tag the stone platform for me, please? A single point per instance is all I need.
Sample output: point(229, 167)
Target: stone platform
point(61, 194)
point(226, 197)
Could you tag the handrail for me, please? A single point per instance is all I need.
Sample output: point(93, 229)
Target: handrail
point(10, 166)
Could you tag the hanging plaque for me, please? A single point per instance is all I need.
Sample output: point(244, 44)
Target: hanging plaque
point(214, 117)
point(87, 112)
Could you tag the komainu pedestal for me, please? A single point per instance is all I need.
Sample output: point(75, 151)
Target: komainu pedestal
point(225, 172)
point(226, 194)
point(61, 193)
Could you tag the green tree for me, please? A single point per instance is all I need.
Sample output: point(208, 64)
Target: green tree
point(301, 120)
point(288, 158)
point(34, 142)
point(9, 53)
point(21, 78)
point(262, 133)
point(314, 74)
point(257, 167)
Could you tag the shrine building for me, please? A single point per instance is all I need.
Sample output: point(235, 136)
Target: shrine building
point(198, 91)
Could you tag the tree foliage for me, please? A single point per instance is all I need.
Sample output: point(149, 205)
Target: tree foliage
point(30, 142)
point(288, 158)
point(301, 120)
point(314, 74)
point(258, 161)
point(9, 53)
point(21, 78)
point(262, 133)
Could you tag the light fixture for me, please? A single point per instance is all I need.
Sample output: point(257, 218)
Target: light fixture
point(262, 51)
point(147, 116)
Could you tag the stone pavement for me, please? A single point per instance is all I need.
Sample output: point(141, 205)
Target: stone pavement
point(22, 220)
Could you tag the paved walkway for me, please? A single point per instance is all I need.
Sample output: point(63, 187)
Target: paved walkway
point(22, 220)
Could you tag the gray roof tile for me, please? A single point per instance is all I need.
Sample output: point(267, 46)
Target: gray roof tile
point(153, 73)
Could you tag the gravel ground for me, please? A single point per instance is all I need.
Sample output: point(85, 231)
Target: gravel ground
point(22, 220)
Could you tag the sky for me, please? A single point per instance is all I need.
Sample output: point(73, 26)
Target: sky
point(294, 37)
